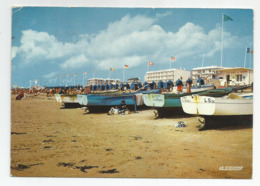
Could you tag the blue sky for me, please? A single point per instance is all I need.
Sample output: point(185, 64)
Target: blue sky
point(49, 42)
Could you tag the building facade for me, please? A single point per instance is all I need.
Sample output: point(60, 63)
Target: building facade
point(209, 72)
point(236, 76)
point(166, 75)
point(133, 80)
point(100, 81)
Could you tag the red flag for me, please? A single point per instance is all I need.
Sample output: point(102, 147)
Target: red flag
point(85, 73)
point(173, 58)
point(68, 75)
point(150, 63)
point(126, 66)
point(251, 51)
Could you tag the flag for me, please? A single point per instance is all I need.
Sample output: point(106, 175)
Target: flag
point(248, 50)
point(173, 58)
point(84, 73)
point(227, 18)
point(75, 74)
point(150, 63)
point(68, 75)
point(251, 51)
point(126, 66)
point(61, 76)
point(112, 69)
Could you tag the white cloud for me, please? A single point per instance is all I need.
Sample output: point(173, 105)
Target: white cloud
point(130, 40)
point(50, 75)
point(75, 62)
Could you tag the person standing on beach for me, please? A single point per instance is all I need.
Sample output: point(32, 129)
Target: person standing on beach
point(179, 84)
point(189, 82)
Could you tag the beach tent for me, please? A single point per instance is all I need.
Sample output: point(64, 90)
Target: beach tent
point(160, 84)
point(139, 85)
point(111, 86)
point(127, 86)
point(132, 86)
point(170, 84)
point(153, 85)
point(164, 84)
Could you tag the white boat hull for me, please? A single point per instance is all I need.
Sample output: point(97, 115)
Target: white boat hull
point(154, 100)
point(224, 106)
point(69, 99)
point(58, 98)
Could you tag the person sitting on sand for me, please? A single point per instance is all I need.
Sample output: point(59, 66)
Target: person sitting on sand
point(179, 84)
point(122, 108)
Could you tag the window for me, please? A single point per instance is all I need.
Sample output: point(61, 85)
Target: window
point(239, 77)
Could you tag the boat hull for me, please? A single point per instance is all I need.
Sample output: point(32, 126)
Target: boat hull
point(65, 98)
point(210, 106)
point(164, 100)
point(106, 100)
point(58, 98)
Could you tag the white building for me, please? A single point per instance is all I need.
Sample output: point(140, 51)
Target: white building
point(133, 80)
point(165, 75)
point(100, 81)
point(236, 76)
point(209, 72)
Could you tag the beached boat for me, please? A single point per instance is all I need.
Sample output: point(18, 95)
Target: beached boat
point(216, 111)
point(231, 105)
point(195, 88)
point(58, 98)
point(170, 102)
point(69, 100)
point(106, 100)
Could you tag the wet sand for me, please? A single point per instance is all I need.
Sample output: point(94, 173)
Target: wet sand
point(47, 141)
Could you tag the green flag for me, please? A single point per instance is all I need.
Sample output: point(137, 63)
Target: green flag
point(227, 18)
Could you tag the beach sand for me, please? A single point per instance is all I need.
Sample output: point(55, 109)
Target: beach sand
point(47, 141)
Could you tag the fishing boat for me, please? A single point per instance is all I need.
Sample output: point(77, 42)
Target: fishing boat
point(195, 88)
point(168, 103)
point(92, 101)
point(69, 100)
point(216, 110)
point(58, 98)
point(231, 105)
point(107, 100)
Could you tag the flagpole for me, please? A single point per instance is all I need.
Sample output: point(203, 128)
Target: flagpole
point(124, 75)
point(250, 60)
point(170, 63)
point(148, 67)
point(83, 79)
point(109, 73)
point(245, 58)
point(222, 40)
point(203, 60)
point(60, 80)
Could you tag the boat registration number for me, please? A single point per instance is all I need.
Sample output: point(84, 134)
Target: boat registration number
point(209, 100)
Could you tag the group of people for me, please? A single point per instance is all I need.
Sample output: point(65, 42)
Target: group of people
point(179, 84)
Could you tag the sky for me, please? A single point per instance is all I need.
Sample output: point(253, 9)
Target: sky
point(51, 42)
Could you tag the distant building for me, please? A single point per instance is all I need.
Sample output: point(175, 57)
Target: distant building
point(209, 72)
point(101, 81)
point(236, 76)
point(133, 80)
point(166, 75)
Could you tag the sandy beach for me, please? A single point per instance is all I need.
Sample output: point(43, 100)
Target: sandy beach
point(47, 141)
